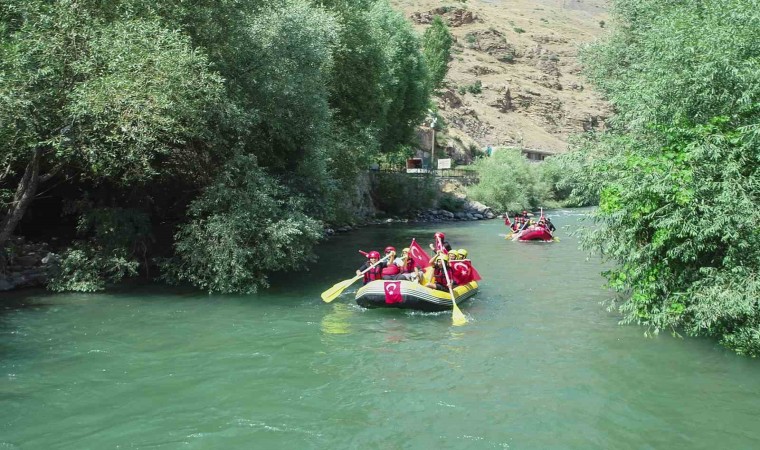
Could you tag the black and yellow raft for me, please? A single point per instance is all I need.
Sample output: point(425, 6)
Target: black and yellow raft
point(411, 295)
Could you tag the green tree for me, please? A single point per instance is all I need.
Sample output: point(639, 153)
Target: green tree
point(140, 108)
point(436, 42)
point(243, 227)
point(98, 101)
point(509, 182)
point(406, 91)
point(678, 173)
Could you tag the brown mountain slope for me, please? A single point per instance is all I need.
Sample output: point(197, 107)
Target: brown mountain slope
point(524, 54)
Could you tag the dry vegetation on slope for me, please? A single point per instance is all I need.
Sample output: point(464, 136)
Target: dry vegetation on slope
point(523, 53)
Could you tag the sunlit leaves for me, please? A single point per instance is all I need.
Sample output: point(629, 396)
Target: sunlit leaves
point(679, 183)
point(243, 227)
point(437, 49)
point(145, 94)
point(508, 182)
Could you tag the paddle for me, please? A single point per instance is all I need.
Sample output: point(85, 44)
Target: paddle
point(332, 293)
point(509, 224)
point(457, 317)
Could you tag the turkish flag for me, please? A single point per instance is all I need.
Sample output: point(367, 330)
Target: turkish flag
point(440, 247)
point(475, 275)
point(463, 272)
point(392, 292)
point(419, 255)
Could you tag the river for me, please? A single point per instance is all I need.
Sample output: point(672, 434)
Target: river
point(540, 365)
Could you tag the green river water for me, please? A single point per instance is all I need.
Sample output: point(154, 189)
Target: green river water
point(541, 364)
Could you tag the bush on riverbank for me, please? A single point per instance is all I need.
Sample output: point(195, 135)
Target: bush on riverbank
point(678, 173)
point(509, 182)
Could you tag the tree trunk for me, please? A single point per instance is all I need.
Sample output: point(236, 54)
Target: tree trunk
point(27, 189)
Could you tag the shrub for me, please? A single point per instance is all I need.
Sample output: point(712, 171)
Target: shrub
point(113, 241)
point(679, 168)
point(85, 269)
point(243, 227)
point(508, 182)
point(474, 88)
point(450, 202)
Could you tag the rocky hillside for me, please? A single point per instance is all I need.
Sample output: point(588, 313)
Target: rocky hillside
point(514, 78)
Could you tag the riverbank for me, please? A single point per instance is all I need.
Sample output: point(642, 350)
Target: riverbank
point(31, 264)
point(470, 211)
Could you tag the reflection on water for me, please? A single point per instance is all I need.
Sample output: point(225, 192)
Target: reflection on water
point(336, 321)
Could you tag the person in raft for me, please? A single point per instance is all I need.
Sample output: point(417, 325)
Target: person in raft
point(376, 272)
point(439, 281)
point(440, 237)
point(407, 267)
point(391, 270)
point(522, 221)
point(550, 225)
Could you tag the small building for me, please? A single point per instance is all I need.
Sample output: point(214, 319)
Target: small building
point(536, 155)
point(415, 165)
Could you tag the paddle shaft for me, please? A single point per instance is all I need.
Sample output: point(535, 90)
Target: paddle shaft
point(456, 314)
point(373, 265)
point(330, 294)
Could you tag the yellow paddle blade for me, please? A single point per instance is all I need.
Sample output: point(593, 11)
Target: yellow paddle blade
point(457, 317)
point(332, 293)
point(555, 239)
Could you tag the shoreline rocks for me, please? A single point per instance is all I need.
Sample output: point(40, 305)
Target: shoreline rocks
point(27, 264)
point(471, 211)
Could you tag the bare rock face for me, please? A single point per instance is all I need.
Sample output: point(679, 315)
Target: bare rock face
point(461, 17)
point(461, 148)
point(549, 39)
point(454, 17)
point(481, 70)
point(531, 87)
point(549, 82)
point(450, 99)
point(493, 43)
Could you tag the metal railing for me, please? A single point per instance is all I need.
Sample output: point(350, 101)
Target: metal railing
point(469, 175)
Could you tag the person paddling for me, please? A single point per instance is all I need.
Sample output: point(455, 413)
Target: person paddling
point(550, 225)
point(391, 270)
point(439, 281)
point(375, 273)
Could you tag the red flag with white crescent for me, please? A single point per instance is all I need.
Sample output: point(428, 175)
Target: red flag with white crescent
point(439, 247)
point(461, 271)
point(475, 275)
point(419, 255)
point(392, 292)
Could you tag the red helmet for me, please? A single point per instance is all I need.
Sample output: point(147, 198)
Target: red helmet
point(389, 249)
point(438, 234)
point(373, 254)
